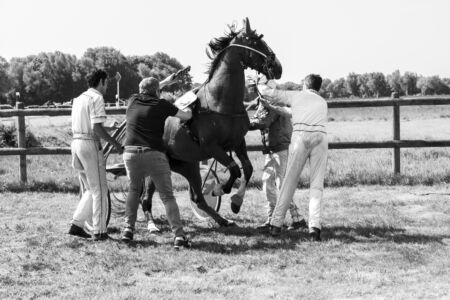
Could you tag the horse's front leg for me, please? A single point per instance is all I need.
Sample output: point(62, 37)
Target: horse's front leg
point(222, 157)
point(238, 198)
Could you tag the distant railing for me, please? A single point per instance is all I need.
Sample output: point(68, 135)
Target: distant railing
point(396, 143)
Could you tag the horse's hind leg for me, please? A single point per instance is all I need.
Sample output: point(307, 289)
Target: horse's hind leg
point(222, 157)
point(191, 171)
point(238, 198)
point(146, 201)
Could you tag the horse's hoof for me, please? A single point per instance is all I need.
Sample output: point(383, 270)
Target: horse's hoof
point(235, 208)
point(231, 224)
point(236, 202)
point(228, 223)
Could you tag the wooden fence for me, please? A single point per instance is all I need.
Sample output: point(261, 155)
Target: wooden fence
point(396, 143)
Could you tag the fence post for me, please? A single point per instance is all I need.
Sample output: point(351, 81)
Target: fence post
point(21, 143)
point(396, 134)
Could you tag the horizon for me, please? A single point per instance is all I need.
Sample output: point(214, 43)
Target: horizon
point(349, 36)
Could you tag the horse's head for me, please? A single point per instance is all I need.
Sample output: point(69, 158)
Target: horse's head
point(258, 54)
point(255, 53)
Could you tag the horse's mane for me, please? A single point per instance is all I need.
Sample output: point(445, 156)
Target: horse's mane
point(216, 45)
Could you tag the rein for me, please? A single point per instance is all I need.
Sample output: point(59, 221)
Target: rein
point(209, 111)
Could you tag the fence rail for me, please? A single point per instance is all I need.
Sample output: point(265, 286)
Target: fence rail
point(396, 143)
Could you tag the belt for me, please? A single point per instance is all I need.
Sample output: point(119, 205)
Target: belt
point(85, 136)
point(137, 149)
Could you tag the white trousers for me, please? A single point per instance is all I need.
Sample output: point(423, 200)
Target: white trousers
point(88, 159)
point(272, 178)
point(304, 146)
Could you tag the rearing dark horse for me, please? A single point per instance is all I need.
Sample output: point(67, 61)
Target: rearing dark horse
point(220, 121)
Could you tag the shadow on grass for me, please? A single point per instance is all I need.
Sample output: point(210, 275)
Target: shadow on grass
point(370, 234)
point(257, 245)
point(235, 240)
point(246, 231)
point(138, 243)
point(257, 239)
point(40, 186)
point(227, 240)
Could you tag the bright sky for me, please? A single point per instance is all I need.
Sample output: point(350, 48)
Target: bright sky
point(329, 37)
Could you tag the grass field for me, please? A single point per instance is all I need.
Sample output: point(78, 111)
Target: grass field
point(378, 242)
point(385, 236)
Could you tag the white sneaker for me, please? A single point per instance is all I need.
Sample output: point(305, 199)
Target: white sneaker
point(152, 228)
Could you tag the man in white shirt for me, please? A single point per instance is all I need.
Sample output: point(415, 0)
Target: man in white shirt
point(88, 115)
point(309, 141)
point(276, 130)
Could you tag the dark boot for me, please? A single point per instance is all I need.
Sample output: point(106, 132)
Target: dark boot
point(274, 230)
point(314, 234)
point(297, 225)
point(100, 237)
point(181, 241)
point(78, 231)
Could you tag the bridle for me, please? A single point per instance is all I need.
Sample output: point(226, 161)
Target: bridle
point(268, 60)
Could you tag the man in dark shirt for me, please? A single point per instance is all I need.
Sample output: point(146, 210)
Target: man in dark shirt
point(144, 155)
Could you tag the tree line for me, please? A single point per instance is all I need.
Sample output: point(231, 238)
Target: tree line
point(376, 84)
point(59, 77)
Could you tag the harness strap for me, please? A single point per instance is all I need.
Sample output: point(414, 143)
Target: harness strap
point(209, 111)
point(248, 48)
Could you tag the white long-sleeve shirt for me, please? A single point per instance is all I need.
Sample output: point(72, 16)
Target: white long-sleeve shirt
point(309, 109)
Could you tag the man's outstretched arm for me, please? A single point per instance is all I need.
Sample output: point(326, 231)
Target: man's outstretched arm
point(275, 96)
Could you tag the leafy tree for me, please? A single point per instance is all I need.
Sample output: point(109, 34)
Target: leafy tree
point(440, 87)
point(5, 79)
point(446, 81)
point(16, 71)
point(83, 67)
point(409, 83)
point(364, 90)
point(43, 77)
point(352, 85)
point(160, 65)
point(290, 86)
point(144, 70)
point(395, 82)
point(49, 76)
point(324, 89)
point(337, 89)
point(424, 86)
point(59, 69)
point(112, 61)
point(377, 85)
point(432, 86)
